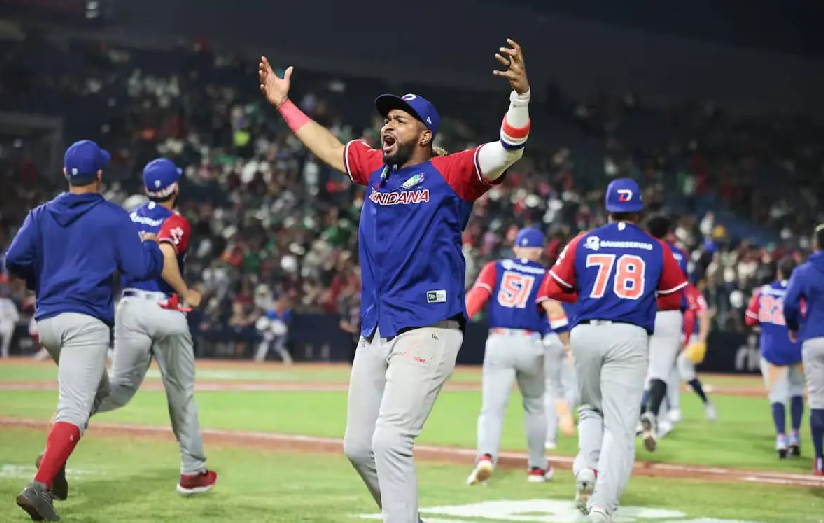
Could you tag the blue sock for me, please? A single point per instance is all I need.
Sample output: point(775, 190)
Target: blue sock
point(695, 383)
point(817, 430)
point(796, 412)
point(644, 400)
point(779, 413)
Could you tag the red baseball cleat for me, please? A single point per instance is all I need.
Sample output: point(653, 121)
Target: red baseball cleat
point(196, 483)
point(818, 467)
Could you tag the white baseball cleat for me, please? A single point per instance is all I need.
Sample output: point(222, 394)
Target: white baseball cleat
point(539, 475)
point(550, 445)
point(674, 415)
point(599, 515)
point(664, 428)
point(584, 487)
point(711, 413)
point(482, 472)
point(648, 430)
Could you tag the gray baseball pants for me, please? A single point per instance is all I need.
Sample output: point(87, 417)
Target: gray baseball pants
point(560, 382)
point(392, 388)
point(610, 361)
point(513, 356)
point(813, 353)
point(144, 330)
point(79, 344)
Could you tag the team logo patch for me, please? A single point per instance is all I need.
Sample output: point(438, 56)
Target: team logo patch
point(624, 195)
point(593, 243)
point(413, 181)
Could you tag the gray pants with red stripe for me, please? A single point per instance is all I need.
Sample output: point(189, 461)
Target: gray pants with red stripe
point(513, 356)
point(610, 361)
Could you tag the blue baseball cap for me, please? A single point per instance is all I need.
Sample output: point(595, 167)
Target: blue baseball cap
point(160, 177)
point(623, 195)
point(83, 160)
point(529, 237)
point(417, 106)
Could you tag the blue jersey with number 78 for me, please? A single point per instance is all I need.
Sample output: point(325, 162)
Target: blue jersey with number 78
point(618, 270)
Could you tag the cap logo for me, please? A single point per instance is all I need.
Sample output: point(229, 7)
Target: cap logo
point(624, 195)
point(429, 120)
point(408, 97)
point(74, 171)
point(157, 183)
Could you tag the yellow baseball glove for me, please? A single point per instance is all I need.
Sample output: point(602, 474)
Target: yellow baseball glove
point(695, 352)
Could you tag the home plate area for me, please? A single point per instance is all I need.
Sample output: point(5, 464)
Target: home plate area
point(547, 511)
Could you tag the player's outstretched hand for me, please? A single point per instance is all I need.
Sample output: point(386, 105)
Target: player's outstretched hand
point(193, 298)
point(276, 89)
point(513, 58)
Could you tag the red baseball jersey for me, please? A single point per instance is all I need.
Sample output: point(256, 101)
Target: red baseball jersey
point(696, 304)
point(170, 227)
point(617, 271)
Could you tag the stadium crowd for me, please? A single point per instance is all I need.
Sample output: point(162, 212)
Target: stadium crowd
point(272, 224)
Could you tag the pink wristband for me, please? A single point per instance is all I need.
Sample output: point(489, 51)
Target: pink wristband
point(293, 116)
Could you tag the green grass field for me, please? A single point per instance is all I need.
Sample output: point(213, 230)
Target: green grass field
point(125, 479)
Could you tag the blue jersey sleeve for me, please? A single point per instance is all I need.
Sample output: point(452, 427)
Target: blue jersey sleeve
point(136, 259)
point(21, 258)
point(792, 299)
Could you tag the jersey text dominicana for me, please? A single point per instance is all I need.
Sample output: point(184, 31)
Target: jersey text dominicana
point(617, 271)
point(411, 224)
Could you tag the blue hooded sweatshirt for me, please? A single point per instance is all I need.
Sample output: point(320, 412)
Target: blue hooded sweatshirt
point(807, 284)
point(69, 249)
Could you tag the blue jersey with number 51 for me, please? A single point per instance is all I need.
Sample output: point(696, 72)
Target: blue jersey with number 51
point(513, 299)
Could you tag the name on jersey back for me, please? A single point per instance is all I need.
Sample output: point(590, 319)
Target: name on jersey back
point(594, 243)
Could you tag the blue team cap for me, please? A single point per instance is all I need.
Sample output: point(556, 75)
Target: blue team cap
point(417, 106)
point(83, 160)
point(160, 177)
point(623, 195)
point(529, 237)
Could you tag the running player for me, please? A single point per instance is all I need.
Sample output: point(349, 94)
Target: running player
point(67, 251)
point(665, 342)
point(804, 315)
point(781, 361)
point(514, 353)
point(413, 270)
point(616, 271)
point(151, 324)
point(694, 341)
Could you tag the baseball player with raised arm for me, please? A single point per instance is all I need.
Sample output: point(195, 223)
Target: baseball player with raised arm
point(616, 271)
point(804, 315)
point(694, 340)
point(68, 251)
point(514, 352)
point(781, 360)
point(413, 313)
point(151, 324)
point(559, 371)
point(664, 343)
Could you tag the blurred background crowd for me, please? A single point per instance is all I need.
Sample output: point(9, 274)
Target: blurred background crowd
point(274, 230)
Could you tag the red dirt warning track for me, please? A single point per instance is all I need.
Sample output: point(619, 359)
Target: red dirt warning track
point(296, 443)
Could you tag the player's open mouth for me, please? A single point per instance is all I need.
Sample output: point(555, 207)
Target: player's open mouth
point(388, 143)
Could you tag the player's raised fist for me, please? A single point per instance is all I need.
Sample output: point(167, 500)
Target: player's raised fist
point(275, 88)
point(513, 59)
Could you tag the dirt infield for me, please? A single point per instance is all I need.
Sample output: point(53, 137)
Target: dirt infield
point(295, 443)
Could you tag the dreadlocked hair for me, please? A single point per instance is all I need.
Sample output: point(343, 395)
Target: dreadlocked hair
point(438, 151)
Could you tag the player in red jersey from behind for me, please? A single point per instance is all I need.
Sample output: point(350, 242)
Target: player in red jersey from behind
point(617, 271)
